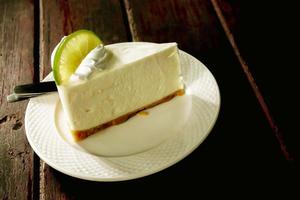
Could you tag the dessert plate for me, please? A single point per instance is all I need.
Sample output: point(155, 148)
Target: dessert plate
point(141, 146)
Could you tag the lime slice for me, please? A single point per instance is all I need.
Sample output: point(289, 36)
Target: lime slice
point(71, 51)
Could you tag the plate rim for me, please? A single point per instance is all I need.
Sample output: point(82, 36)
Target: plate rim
point(129, 176)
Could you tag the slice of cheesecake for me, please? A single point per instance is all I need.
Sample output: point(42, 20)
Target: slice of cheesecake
point(133, 76)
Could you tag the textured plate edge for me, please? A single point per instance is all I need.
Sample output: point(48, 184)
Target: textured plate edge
point(139, 175)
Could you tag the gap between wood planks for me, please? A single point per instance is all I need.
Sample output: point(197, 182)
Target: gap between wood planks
point(127, 10)
point(127, 18)
point(36, 78)
point(277, 132)
point(36, 43)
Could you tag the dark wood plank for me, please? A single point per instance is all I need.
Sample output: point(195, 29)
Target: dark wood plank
point(16, 67)
point(265, 39)
point(181, 21)
point(242, 134)
point(59, 18)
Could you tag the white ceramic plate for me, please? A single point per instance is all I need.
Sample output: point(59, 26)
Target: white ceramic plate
point(141, 146)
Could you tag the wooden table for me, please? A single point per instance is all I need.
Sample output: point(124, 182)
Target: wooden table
point(240, 42)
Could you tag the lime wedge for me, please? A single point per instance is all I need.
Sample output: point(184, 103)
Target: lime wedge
point(71, 51)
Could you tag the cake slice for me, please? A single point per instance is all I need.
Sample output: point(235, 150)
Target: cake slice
point(116, 81)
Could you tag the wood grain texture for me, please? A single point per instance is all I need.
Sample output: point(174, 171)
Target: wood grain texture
point(242, 131)
point(59, 18)
point(262, 37)
point(186, 22)
point(241, 146)
point(16, 67)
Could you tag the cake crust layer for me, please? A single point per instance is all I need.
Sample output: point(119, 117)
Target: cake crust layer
point(82, 134)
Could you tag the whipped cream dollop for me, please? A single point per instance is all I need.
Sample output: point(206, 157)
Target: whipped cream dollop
point(94, 61)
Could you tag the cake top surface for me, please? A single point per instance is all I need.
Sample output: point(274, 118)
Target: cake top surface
point(128, 52)
point(104, 58)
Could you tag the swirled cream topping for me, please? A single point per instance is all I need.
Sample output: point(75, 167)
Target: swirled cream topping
point(93, 61)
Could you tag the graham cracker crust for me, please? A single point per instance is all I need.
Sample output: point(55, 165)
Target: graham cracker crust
point(82, 134)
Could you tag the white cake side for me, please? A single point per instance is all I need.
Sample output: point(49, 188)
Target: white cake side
point(137, 74)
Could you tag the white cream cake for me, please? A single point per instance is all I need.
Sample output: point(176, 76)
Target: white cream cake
point(116, 81)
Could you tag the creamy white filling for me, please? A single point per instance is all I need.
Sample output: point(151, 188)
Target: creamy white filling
point(137, 74)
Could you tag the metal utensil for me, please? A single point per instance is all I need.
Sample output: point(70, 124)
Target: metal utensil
point(22, 92)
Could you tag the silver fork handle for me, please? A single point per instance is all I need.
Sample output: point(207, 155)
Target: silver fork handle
point(19, 97)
